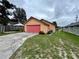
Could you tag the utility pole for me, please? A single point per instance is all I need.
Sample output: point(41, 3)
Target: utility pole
point(76, 18)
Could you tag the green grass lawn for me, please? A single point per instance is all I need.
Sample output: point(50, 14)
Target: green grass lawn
point(1, 33)
point(60, 45)
point(9, 32)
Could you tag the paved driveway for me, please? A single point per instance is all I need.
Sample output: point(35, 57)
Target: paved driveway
point(10, 43)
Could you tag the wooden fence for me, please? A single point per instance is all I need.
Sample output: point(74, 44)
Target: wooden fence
point(10, 28)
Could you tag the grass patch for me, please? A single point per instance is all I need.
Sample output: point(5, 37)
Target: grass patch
point(1, 33)
point(9, 32)
point(69, 36)
point(48, 46)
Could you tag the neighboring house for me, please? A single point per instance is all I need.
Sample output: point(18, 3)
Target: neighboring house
point(19, 26)
point(14, 25)
point(73, 28)
point(35, 25)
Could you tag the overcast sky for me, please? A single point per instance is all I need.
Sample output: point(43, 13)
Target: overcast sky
point(62, 11)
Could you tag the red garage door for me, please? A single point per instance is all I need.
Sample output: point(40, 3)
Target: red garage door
point(33, 28)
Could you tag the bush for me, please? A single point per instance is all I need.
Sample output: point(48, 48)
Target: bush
point(41, 32)
point(49, 32)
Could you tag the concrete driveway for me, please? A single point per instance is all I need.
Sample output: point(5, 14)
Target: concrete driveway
point(10, 43)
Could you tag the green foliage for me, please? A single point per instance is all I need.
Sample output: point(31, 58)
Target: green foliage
point(4, 19)
point(1, 33)
point(41, 32)
point(49, 32)
point(55, 23)
point(20, 15)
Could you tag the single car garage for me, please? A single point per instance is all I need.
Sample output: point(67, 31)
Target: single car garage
point(35, 26)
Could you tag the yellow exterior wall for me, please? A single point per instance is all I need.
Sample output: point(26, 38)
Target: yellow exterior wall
point(43, 27)
point(51, 26)
point(33, 22)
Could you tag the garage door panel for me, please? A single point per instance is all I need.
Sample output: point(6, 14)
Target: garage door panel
point(33, 28)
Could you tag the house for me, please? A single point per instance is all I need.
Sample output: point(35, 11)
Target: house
point(51, 25)
point(73, 28)
point(35, 25)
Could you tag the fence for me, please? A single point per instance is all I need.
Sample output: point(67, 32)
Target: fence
point(73, 30)
point(2, 28)
point(10, 28)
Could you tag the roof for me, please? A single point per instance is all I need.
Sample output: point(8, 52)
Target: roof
point(36, 20)
point(19, 24)
point(73, 24)
point(46, 21)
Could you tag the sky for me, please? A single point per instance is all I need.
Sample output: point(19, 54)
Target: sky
point(61, 11)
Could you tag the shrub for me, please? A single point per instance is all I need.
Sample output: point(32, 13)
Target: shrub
point(49, 32)
point(41, 32)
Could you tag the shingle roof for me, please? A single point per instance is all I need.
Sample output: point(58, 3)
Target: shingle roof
point(73, 24)
point(37, 20)
point(46, 21)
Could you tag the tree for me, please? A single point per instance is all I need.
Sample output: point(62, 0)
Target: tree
point(7, 4)
point(55, 23)
point(4, 5)
point(20, 15)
